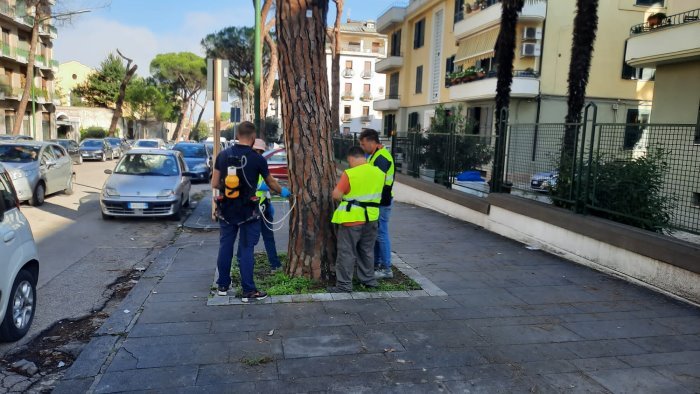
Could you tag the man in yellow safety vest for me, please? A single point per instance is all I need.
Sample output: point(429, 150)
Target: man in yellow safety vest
point(359, 192)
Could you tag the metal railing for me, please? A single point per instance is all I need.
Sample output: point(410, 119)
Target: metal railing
point(668, 21)
point(347, 96)
point(366, 74)
point(366, 96)
point(348, 73)
point(644, 175)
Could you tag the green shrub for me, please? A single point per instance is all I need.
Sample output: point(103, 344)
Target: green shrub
point(627, 191)
point(93, 132)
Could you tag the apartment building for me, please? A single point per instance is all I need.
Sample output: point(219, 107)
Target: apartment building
point(361, 47)
point(452, 53)
point(16, 23)
point(70, 74)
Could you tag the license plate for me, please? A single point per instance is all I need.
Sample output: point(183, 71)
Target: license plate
point(86, 155)
point(138, 205)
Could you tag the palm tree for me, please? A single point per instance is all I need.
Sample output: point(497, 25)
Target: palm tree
point(585, 29)
point(505, 53)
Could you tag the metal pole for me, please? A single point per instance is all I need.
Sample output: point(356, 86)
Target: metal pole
point(217, 119)
point(257, 71)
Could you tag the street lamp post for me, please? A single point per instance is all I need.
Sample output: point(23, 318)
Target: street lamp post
point(257, 61)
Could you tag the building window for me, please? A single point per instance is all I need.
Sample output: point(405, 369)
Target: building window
point(9, 121)
point(633, 128)
point(413, 121)
point(348, 88)
point(346, 130)
point(365, 111)
point(347, 113)
point(419, 79)
point(641, 74)
point(660, 3)
point(348, 64)
point(394, 85)
point(419, 34)
point(389, 124)
point(396, 43)
point(459, 10)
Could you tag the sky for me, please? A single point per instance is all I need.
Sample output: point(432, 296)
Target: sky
point(143, 28)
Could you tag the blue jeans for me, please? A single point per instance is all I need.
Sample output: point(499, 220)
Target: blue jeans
point(382, 248)
point(250, 233)
point(268, 237)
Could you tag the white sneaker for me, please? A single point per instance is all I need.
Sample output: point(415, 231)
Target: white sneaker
point(384, 273)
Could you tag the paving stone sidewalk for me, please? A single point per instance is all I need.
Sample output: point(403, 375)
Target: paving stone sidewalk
point(514, 320)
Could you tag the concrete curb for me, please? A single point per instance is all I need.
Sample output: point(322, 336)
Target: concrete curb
point(429, 289)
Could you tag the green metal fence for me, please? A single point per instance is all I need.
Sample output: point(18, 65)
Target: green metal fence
point(645, 175)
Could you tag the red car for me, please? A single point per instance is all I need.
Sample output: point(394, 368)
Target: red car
point(277, 163)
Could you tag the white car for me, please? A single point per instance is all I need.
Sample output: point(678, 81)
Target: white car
point(19, 271)
point(153, 143)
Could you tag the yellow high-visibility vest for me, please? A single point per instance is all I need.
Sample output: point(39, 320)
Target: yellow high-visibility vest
point(362, 203)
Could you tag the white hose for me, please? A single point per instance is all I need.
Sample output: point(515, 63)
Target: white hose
point(266, 222)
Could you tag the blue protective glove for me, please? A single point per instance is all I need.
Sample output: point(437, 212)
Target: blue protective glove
point(263, 187)
point(285, 193)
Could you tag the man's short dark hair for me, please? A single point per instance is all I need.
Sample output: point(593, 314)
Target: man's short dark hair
point(370, 134)
point(246, 129)
point(356, 152)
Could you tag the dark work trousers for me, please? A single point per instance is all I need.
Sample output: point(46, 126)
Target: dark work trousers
point(249, 236)
point(356, 245)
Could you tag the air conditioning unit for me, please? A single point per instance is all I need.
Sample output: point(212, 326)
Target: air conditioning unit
point(532, 33)
point(530, 50)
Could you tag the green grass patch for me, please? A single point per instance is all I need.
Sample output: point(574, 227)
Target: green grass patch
point(279, 283)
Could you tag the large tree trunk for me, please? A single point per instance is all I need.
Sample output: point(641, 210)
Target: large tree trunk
point(307, 129)
point(335, 69)
point(505, 53)
point(585, 28)
point(130, 71)
point(29, 77)
point(181, 120)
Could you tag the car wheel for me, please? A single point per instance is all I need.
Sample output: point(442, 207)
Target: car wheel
point(104, 157)
point(80, 159)
point(21, 305)
point(106, 217)
point(69, 187)
point(39, 195)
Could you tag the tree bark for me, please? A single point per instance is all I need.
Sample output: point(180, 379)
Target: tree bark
point(307, 129)
point(130, 71)
point(505, 53)
point(335, 69)
point(181, 119)
point(29, 77)
point(585, 28)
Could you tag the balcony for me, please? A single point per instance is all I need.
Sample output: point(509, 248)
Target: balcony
point(391, 17)
point(487, 13)
point(48, 31)
point(467, 86)
point(390, 103)
point(348, 73)
point(54, 66)
point(672, 39)
point(389, 64)
point(347, 118)
point(21, 55)
point(347, 96)
point(366, 74)
point(366, 96)
point(365, 118)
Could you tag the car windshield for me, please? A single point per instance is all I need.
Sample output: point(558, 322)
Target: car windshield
point(91, 144)
point(63, 143)
point(18, 153)
point(114, 141)
point(191, 150)
point(279, 158)
point(147, 144)
point(147, 164)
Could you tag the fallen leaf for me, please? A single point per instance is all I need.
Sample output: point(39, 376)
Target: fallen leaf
point(271, 333)
point(126, 311)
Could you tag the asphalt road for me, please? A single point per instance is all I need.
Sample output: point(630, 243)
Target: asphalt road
point(81, 254)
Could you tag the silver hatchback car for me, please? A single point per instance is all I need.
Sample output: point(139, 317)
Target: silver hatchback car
point(147, 182)
point(37, 169)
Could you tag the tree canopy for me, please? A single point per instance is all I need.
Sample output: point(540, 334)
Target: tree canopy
point(148, 101)
point(102, 87)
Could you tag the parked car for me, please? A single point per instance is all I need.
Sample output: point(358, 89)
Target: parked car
point(155, 143)
point(118, 145)
point(19, 271)
point(197, 158)
point(96, 149)
point(170, 144)
point(277, 163)
point(37, 169)
point(147, 182)
point(544, 181)
point(72, 148)
point(7, 137)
